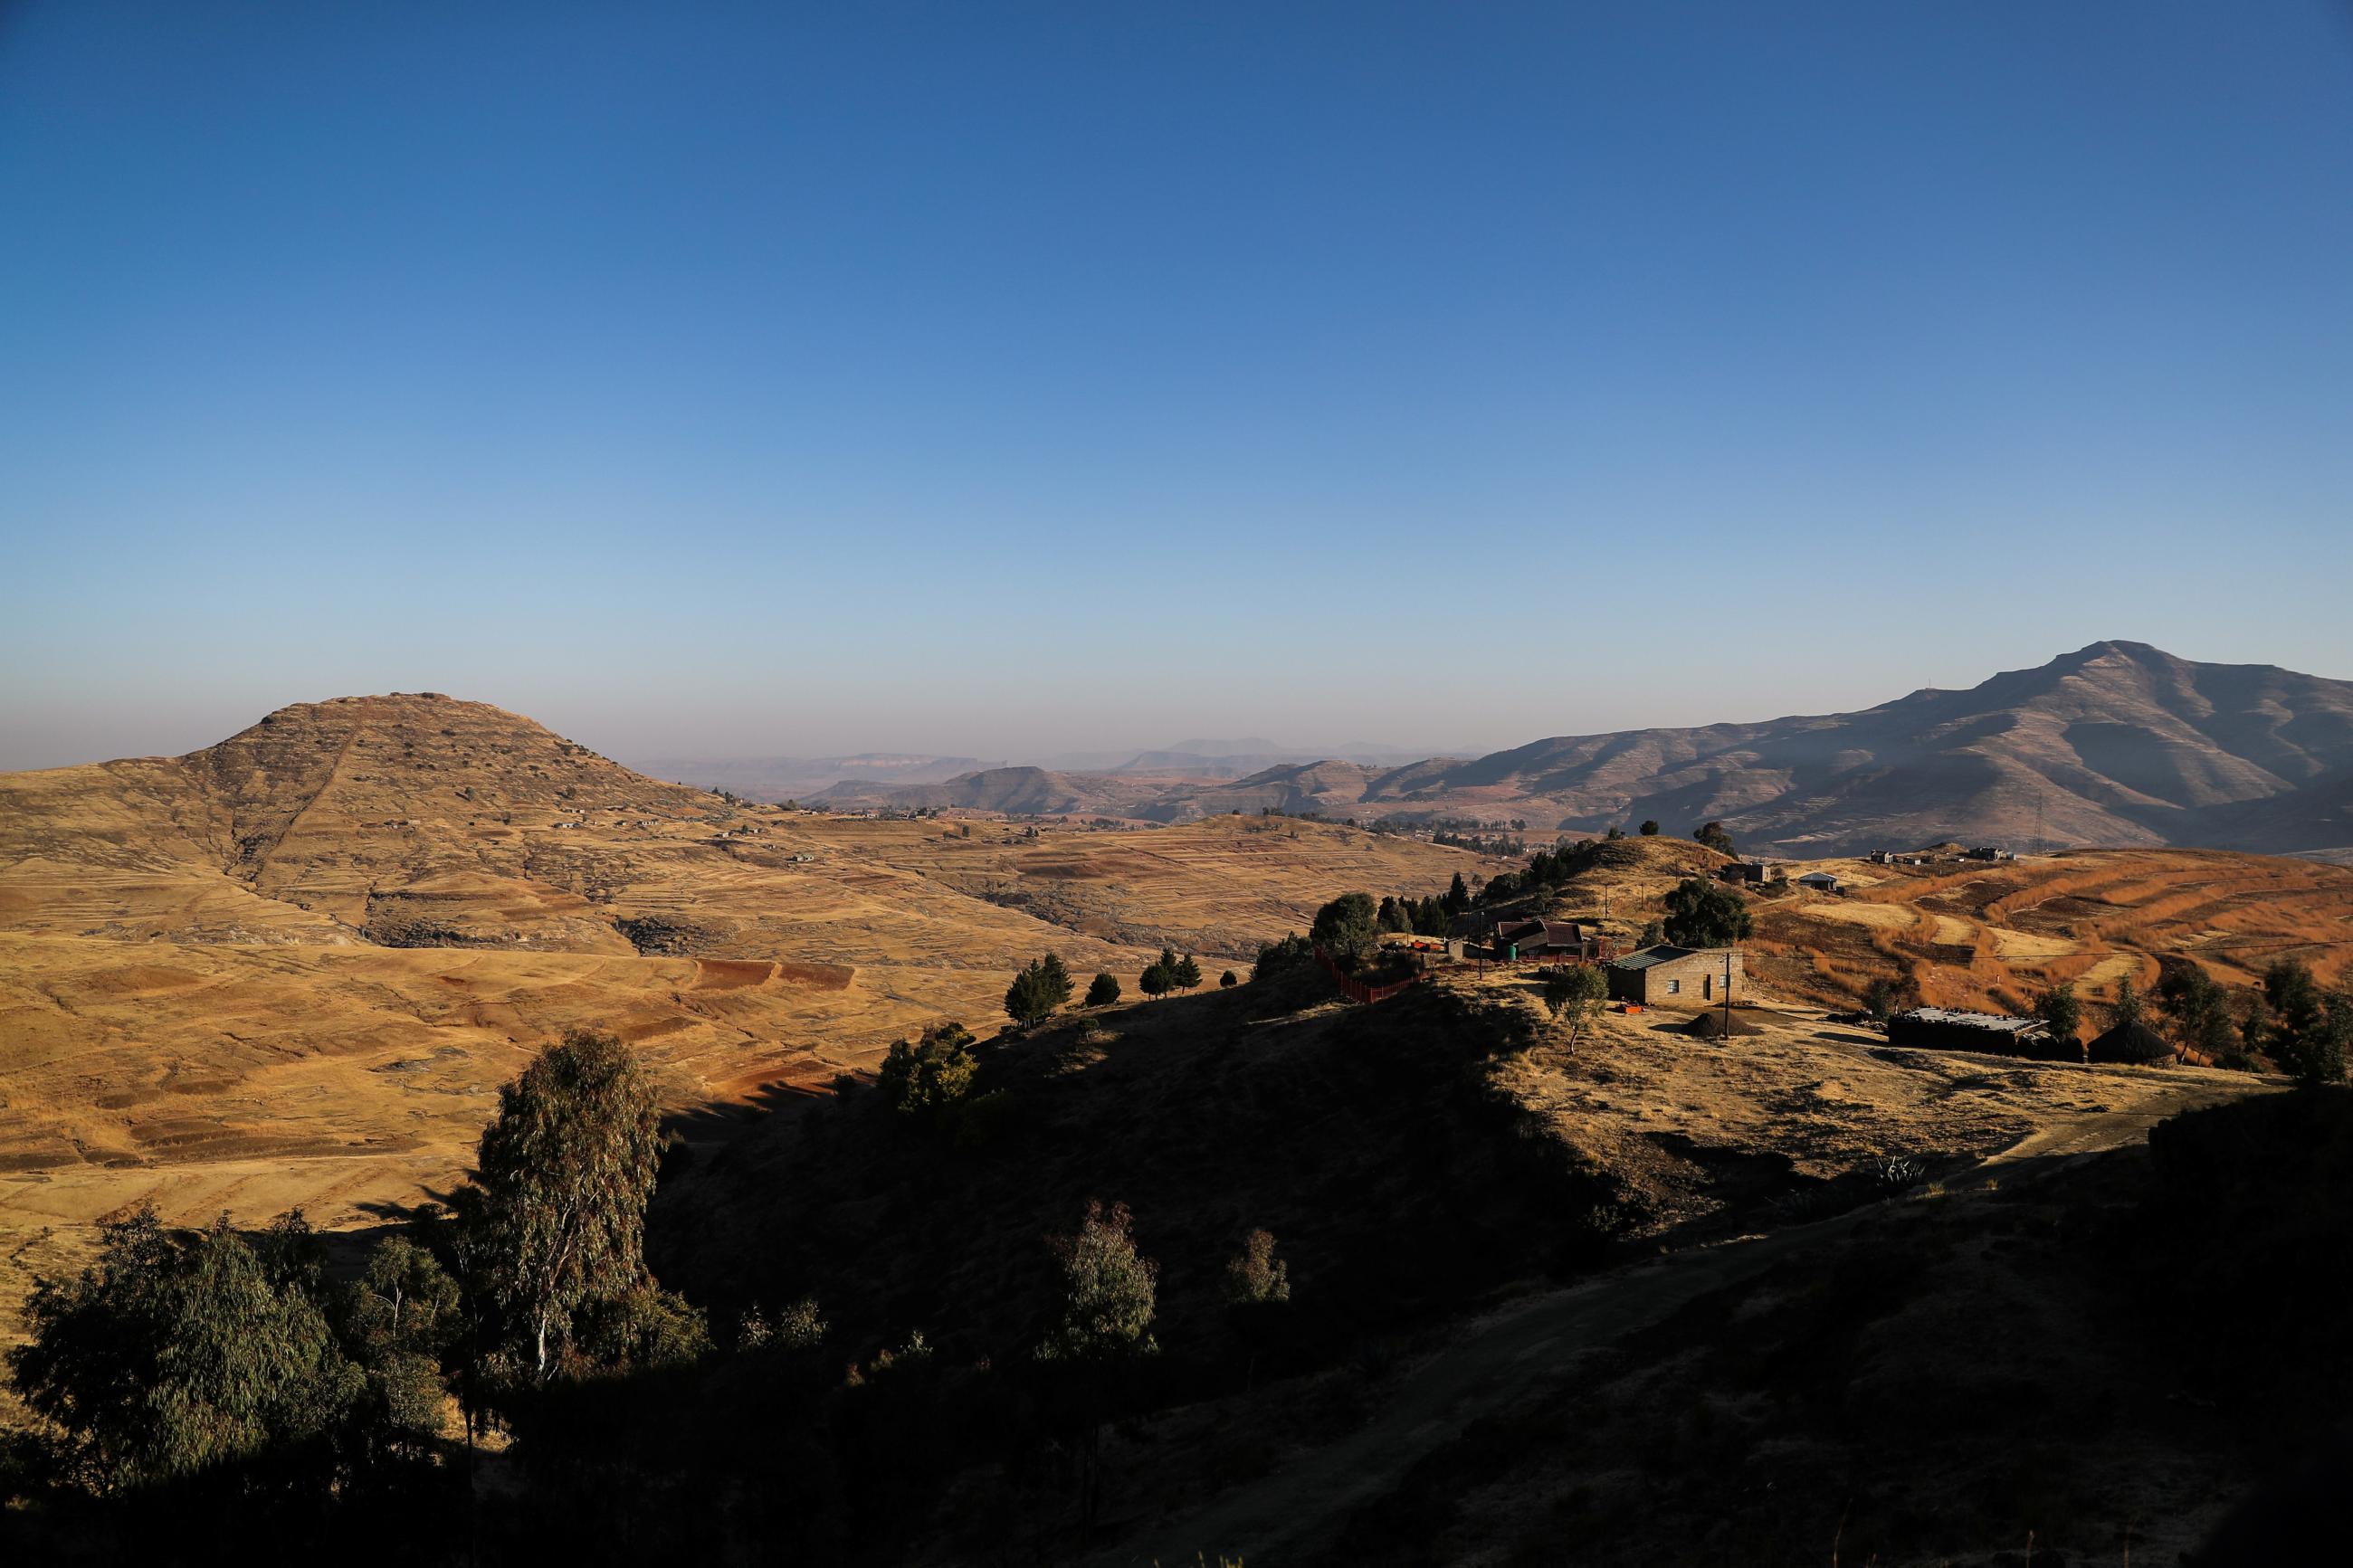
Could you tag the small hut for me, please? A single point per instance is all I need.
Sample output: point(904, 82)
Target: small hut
point(2130, 1042)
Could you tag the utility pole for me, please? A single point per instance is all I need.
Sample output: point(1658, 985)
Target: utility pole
point(1728, 991)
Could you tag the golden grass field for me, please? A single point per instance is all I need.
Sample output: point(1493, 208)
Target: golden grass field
point(201, 1003)
point(1996, 935)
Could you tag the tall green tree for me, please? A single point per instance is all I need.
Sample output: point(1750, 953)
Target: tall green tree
point(566, 1170)
point(1105, 991)
point(1187, 974)
point(1160, 977)
point(1346, 928)
point(1649, 829)
point(1108, 1296)
point(2127, 1007)
point(2309, 1031)
point(1456, 896)
point(1704, 913)
point(1714, 836)
point(401, 1321)
point(1058, 977)
point(2199, 1009)
point(1030, 997)
point(2061, 1011)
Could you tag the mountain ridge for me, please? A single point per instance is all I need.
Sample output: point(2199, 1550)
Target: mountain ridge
point(2117, 743)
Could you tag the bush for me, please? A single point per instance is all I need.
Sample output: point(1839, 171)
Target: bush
point(931, 1074)
point(172, 1354)
point(1103, 991)
point(1255, 1275)
point(1292, 954)
point(1574, 996)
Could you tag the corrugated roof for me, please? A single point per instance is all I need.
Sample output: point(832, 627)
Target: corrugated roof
point(1997, 1023)
point(1653, 955)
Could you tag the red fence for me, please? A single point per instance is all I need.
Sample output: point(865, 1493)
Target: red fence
point(1356, 990)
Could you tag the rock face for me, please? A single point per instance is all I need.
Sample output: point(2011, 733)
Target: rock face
point(2118, 745)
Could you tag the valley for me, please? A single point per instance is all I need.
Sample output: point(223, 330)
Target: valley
point(293, 971)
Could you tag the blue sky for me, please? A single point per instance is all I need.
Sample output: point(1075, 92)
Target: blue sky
point(1002, 378)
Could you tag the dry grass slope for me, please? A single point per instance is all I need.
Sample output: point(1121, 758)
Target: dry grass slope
point(293, 968)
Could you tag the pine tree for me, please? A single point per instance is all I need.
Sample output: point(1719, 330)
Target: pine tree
point(1030, 997)
point(1058, 978)
point(1103, 991)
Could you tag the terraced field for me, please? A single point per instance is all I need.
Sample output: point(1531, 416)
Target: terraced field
point(1994, 934)
point(292, 969)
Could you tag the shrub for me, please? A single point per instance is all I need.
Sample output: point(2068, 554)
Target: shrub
point(1574, 996)
point(1275, 959)
point(931, 1074)
point(1255, 1275)
point(1109, 1292)
point(1103, 991)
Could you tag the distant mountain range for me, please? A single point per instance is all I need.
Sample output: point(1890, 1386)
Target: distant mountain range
point(790, 778)
point(2117, 743)
point(868, 774)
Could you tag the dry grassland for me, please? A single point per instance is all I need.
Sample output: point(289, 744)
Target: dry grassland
point(1996, 935)
point(293, 969)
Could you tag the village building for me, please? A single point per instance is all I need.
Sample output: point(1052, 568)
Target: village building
point(1548, 940)
point(1994, 1034)
point(1820, 881)
point(2130, 1042)
point(1670, 976)
point(1755, 869)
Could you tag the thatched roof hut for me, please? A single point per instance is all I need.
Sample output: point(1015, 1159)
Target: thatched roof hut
point(2132, 1042)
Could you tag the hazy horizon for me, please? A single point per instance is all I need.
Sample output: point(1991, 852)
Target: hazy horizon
point(1114, 751)
point(1005, 380)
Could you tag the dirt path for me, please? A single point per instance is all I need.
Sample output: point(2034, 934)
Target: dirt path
point(1509, 1355)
